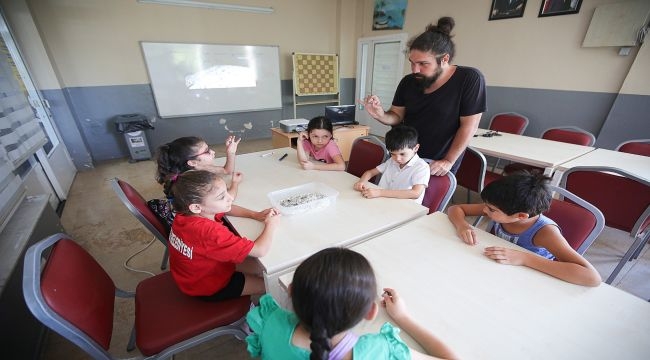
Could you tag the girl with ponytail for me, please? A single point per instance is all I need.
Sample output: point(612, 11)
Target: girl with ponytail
point(332, 291)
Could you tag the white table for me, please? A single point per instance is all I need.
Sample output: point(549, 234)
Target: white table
point(350, 220)
point(485, 310)
point(635, 164)
point(547, 154)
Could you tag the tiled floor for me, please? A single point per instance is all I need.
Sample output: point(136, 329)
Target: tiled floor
point(95, 217)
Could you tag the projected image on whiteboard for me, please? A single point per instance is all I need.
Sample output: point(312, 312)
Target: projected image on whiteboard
point(200, 79)
point(222, 76)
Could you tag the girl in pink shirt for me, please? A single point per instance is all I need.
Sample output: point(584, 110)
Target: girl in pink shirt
point(316, 149)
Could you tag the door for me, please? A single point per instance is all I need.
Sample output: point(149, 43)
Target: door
point(380, 67)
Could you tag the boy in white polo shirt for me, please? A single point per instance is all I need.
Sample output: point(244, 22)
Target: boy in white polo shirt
point(405, 175)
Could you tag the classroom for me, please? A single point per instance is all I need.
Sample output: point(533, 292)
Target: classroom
point(86, 64)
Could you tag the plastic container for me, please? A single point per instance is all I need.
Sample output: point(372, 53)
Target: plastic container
point(303, 198)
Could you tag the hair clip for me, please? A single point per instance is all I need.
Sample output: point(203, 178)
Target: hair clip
point(173, 178)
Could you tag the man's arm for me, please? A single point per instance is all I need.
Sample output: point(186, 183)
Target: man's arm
point(467, 129)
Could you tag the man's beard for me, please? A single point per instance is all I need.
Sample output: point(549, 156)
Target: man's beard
point(423, 82)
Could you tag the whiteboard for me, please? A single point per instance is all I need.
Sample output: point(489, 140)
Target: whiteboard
point(197, 79)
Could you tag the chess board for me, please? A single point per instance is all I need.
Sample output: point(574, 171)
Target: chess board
point(315, 74)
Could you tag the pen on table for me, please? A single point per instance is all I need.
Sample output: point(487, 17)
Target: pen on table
point(283, 156)
point(267, 154)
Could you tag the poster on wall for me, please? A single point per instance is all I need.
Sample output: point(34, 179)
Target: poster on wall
point(389, 14)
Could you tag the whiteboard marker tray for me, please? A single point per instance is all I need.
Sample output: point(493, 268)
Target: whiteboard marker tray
point(303, 198)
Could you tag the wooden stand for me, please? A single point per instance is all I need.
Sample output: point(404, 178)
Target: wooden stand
point(343, 135)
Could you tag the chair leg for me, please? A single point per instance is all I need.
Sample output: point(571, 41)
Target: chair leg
point(131, 345)
point(628, 255)
point(638, 251)
point(165, 260)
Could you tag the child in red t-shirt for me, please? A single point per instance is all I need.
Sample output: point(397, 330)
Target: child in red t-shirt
point(203, 251)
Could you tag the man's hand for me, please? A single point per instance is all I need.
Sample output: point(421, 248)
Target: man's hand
point(440, 167)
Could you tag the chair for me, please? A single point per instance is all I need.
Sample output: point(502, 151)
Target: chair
point(439, 192)
point(472, 173)
point(638, 146)
point(623, 198)
point(581, 222)
point(509, 122)
point(366, 153)
point(138, 207)
point(565, 134)
point(72, 294)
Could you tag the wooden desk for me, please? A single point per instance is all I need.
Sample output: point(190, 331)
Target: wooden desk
point(343, 135)
point(485, 310)
point(352, 219)
point(538, 152)
point(635, 164)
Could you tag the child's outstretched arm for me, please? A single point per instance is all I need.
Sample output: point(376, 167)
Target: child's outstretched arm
point(396, 308)
point(568, 266)
point(363, 180)
point(231, 152)
point(337, 165)
point(239, 211)
point(465, 230)
point(412, 193)
point(263, 242)
point(234, 184)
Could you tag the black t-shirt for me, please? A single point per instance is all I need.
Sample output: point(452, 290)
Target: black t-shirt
point(436, 116)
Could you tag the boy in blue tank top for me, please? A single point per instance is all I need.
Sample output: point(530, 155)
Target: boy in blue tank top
point(515, 205)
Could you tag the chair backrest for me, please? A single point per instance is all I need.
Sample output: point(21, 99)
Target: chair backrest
point(70, 293)
point(509, 122)
point(366, 153)
point(139, 208)
point(471, 172)
point(580, 221)
point(638, 146)
point(622, 197)
point(570, 134)
point(439, 192)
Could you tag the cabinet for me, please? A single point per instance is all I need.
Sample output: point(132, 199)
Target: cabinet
point(343, 135)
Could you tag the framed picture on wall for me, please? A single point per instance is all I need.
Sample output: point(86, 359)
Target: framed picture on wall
point(389, 14)
point(559, 7)
point(505, 9)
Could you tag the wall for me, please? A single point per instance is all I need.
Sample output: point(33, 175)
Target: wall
point(532, 65)
point(94, 46)
point(536, 66)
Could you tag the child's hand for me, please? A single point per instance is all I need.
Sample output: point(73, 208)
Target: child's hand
point(359, 186)
point(272, 216)
point(467, 234)
point(237, 177)
point(303, 135)
point(370, 193)
point(395, 306)
point(231, 144)
point(307, 165)
point(505, 255)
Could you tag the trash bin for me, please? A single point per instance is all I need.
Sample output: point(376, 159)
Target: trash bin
point(133, 127)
